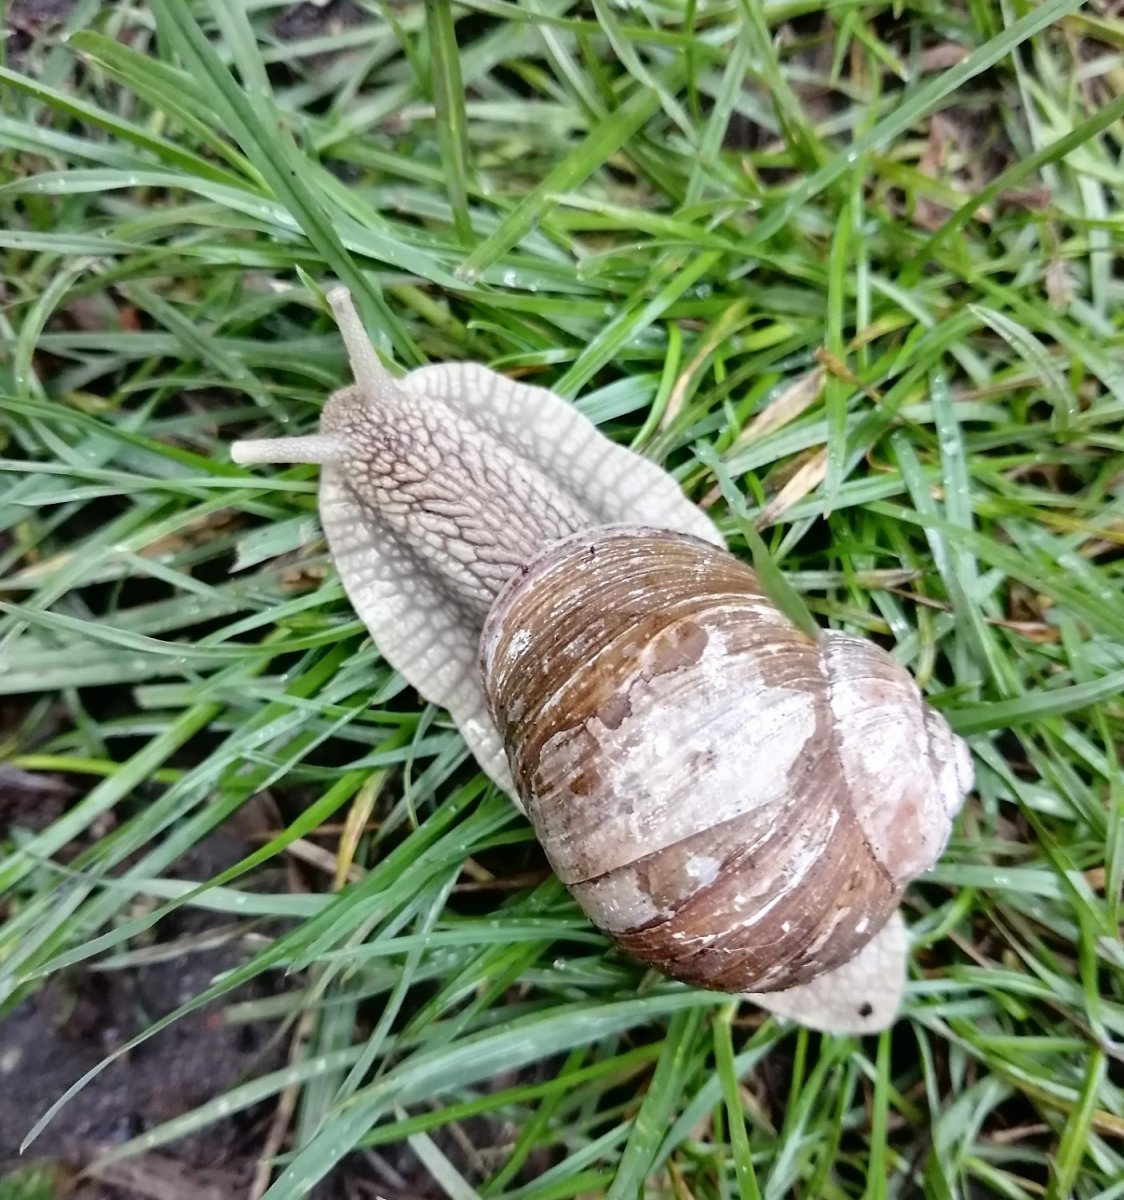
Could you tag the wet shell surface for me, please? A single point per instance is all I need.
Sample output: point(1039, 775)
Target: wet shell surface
point(735, 803)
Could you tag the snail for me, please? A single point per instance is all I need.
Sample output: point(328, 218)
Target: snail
point(732, 801)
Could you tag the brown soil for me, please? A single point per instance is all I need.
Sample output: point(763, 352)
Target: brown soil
point(69, 1026)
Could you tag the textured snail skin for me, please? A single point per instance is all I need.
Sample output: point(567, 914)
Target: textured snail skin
point(737, 804)
point(441, 489)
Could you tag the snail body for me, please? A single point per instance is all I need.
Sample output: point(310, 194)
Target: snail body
point(734, 802)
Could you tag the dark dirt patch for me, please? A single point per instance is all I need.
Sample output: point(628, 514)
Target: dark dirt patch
point(79, 1017)
point(69, 1026)
point(33, 16)
point(28, 20)
point(310, 20)
point(30, 800)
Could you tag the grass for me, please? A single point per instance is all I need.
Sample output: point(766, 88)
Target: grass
point(884, 321)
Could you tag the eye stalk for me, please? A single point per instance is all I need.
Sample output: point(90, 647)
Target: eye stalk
point(319, 448)
point(371, 378)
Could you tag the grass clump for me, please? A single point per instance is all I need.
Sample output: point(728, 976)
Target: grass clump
point(859, 261)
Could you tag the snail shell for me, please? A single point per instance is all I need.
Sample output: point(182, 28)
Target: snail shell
point(735, 803)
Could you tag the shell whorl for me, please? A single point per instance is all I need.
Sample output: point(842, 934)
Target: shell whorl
point(736, 803)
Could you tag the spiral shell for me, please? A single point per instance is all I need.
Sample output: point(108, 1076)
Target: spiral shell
point(735, 803)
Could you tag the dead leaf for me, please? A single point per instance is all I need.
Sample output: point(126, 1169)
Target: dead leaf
point(930, 214)
point(805, 480)
point(835, 366)
point(357, 817)
point(1059, 284)
point(799, 396)
point(324, 860)
point(940, 57)
point(195, 532)
point(1029, 199)
point(718, 333)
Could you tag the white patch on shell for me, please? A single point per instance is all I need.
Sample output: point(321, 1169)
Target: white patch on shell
point(616, 902)
point(692, 737)
point(702, 868)
point(958, 775)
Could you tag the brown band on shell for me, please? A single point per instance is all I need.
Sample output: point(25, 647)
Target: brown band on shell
point(788, 900)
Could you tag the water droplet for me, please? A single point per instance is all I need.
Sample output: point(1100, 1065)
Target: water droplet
point(510, 279)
